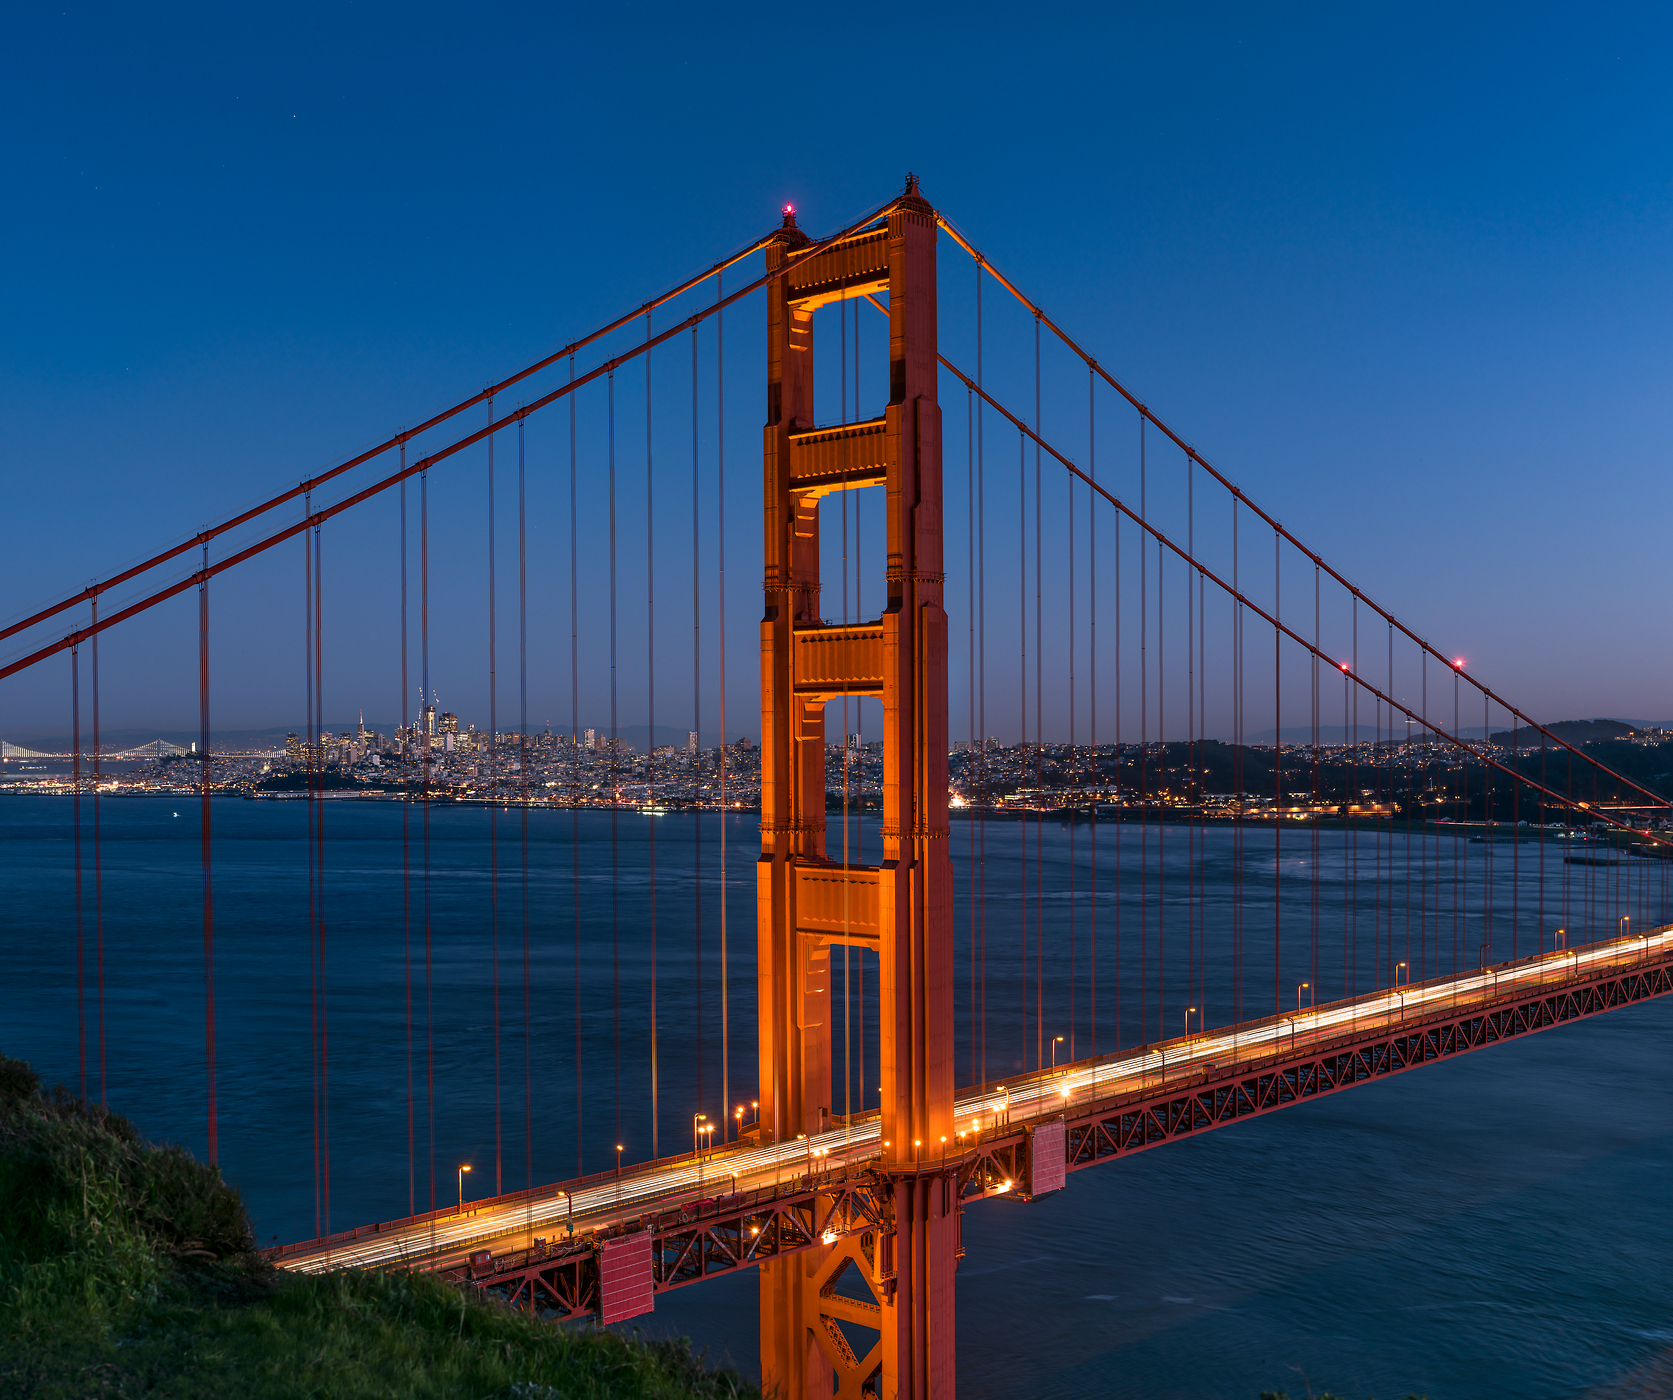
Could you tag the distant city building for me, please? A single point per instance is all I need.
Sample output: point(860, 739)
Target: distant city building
point(293, 748)
point(691, 741)
point(589, 738)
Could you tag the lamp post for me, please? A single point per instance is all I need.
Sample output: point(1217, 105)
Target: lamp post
point(1056, 1040)
point(462, 1171)
point(738, 1134)
point(618, 1173)
point(696, 1118)
point(1191, 1011)
point(569, 1201)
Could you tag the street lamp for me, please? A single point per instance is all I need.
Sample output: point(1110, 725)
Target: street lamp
point(1397, 967)
point(618, 1173)
point(462, 1171)
point(1189, 1012)
point(569, 1201)
point(705, 1130)
point(1302, 987)
point(1056, 1040)
point(737, 1136)
point(696, 1118)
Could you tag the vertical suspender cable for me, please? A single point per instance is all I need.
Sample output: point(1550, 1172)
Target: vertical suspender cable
point(1194, 958)
point(1406, 803)
point(98, 866)
point(1313, 824)
point(1202, 738)
point(1516, 848)
point(1237, 776)
point(75, 839)
point(1351, 824)
point(1074, 769)
point(495, 797)
point(1161, 813)
point(1461, 812)
point(1144, 752)
point(650, 703)
point(1022, 681)
point(575, 755)
point(1092, 706)
point(1277, 773)
point(1487, 831)
point(981, 666)
point(319, 882)
point(720, 555)
point(615, 788)
point(406, 854)
point(696, 754)
point(523, 770)
point(1039, 741)
point(1389, 801)
point(208, 865)
point(313, 932)
point(1120, 763)
point(423, 741)
point(970, 697)
point(1539, 929)
point(981, 670)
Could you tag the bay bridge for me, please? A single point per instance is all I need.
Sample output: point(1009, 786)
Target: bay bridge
point(1043, 609)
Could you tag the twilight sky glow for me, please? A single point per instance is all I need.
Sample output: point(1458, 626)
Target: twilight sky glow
point(1406, 275)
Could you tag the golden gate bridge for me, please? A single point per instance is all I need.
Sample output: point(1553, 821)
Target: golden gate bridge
point(1122, 599)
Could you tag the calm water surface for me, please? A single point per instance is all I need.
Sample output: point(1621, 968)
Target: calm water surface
point(1496, 1226)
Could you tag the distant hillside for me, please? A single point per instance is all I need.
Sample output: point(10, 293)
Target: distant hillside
point(1573, 731)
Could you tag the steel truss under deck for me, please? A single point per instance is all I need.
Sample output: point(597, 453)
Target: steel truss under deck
point(854, 1206)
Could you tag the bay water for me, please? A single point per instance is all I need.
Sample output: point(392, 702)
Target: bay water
point(1497, 1225)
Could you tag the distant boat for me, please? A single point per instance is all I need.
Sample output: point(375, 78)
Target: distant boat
point(653, 811)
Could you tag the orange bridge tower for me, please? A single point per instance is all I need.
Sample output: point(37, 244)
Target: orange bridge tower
point(902, 907)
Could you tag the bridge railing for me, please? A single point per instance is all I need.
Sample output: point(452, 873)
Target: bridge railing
point(1603, 957)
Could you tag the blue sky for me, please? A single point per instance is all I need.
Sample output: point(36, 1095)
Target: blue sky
point(1403, 273)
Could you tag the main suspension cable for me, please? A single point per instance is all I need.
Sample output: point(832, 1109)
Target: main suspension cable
point(1145, 412)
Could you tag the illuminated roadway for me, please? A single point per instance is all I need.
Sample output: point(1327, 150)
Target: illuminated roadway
point(550, 1211)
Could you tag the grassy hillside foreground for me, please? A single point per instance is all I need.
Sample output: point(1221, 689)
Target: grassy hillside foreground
point(128, 1269)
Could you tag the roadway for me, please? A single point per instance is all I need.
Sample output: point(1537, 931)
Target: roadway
point(592, 1203)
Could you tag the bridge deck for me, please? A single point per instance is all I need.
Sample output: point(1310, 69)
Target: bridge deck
point(773, 1199)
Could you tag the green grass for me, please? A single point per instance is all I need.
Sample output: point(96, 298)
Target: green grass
point(129, 1269)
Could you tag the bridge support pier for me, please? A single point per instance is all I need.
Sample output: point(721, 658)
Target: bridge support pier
point(901, 907)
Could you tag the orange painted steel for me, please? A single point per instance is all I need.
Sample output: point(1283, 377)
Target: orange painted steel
point(904, 905)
